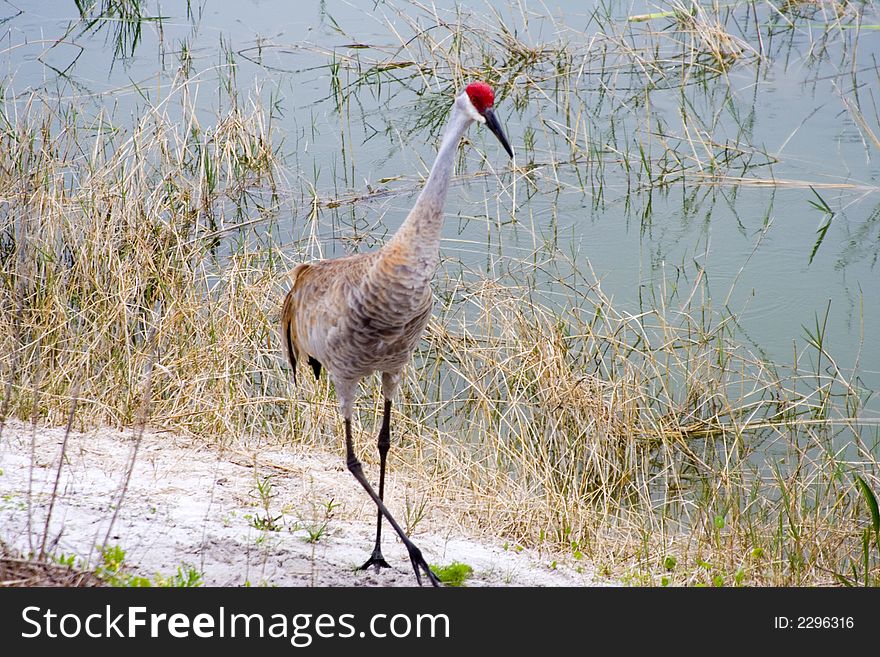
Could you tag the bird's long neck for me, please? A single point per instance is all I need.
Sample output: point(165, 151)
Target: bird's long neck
point(418, 239)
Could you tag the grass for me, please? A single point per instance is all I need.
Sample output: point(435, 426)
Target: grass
point(70, 571)
point(455, 574)
point(321, 516)
point(113, 571)
point(17, 570)
point(143, 262)
point(268, 521)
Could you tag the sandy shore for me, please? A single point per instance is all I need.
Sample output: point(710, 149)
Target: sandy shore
point(188, 503)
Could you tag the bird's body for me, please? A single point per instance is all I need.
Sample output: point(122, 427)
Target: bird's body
point(366, 313)
point(386, 314)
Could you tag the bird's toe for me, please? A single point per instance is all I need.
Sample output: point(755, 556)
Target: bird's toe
point(419, 564)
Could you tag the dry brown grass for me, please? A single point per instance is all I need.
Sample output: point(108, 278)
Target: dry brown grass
point(17, 571)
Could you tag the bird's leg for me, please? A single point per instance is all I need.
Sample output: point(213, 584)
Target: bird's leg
point(384, 444)
point(415, 555)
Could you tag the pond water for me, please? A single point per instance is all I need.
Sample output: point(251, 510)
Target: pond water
point(760, 180)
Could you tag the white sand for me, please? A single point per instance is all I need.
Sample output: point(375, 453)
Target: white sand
point(188, 503)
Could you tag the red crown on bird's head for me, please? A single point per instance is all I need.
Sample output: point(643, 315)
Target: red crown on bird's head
point(481, 95)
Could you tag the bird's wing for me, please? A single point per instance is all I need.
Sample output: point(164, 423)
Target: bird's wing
point(316, 305)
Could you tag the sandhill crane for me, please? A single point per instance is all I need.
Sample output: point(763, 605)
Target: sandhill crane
point(365, 313)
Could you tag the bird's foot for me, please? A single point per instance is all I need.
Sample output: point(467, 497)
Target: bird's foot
point(419, 564)
point(377, 560)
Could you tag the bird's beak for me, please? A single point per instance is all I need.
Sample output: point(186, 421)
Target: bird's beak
point(495, 127)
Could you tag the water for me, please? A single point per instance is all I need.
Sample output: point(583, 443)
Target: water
point(788, 119)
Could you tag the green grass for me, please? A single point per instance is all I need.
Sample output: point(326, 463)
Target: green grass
point(455, 574)
point(113, 571)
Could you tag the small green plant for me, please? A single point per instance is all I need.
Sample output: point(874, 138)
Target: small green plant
point(315, 532)
point(827, 216)
point(11, 501)
point(861, 573)
point(112, 571)
point(454, 574)
point(636, 577)
point(186, 577)
point(414, 513)
point(317, 529)
point(265, 521)
point(62, 559)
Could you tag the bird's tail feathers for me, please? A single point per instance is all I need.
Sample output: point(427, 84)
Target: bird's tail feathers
point(288, 320)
